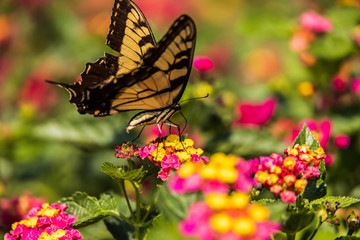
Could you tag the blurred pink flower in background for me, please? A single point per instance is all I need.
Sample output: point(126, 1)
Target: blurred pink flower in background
point(202, 63)
point(355, 85)
point(220, 54)
point(342, 141)
point(164, 11)
point(321, 129)
point(38, 93)
point(301, 39)
point(255, 113)
point(315, 22)
point(17, 208)
point(338, 83)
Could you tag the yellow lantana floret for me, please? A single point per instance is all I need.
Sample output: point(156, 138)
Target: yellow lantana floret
point(209, 172)
point(187, 169)
point(244, 226)
point(221, 222)
point(227, 175)
point(259, 212)
point(239, 200)
point(217, 201)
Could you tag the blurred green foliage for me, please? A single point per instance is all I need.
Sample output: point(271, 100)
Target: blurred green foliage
point(46, 147)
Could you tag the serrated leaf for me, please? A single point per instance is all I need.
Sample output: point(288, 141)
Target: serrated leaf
point(343, 200)
point(305, 136)
point(316, 188)
point(295, 222)
point(89, 209)
point(123, 173)
point(347, 238)
point(265, 201)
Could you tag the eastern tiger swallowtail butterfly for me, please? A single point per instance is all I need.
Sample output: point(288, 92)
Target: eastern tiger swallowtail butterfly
point(146, 75)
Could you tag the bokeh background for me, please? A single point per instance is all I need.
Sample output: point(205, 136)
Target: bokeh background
point(269, 66)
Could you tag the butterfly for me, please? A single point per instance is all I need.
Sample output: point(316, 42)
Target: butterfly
point(145, 76)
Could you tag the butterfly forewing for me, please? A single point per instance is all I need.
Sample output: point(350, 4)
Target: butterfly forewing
point(161, 80)
point(129, 34)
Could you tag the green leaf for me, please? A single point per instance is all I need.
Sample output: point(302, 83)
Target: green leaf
point(332, 46)
point(162, 227)
point(305, 136)
point(347, 238)
point(123, 173)
point(89, 209)
point(295, 222)
point(119, 228)
point(316, 188)
point(173, 206)
point(344, 201)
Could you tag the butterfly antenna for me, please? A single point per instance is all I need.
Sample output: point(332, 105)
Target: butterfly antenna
point(189, 99)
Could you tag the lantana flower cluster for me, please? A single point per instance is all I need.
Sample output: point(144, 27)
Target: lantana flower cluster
point(220, 175)
point(168, 153)
point(227, 212)
point(48, 222)
point(288, 176)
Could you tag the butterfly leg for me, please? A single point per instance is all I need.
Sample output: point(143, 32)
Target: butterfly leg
point(172, 124)
point(138, 134)
point(185, 122)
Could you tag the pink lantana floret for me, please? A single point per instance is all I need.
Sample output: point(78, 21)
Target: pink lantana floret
point(255, 114)
point(288, 197)
point(203, 64)
point(315, 22)
point(342, 141)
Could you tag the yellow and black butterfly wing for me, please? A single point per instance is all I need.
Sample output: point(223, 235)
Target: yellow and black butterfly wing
point(130, 35)
point(161, 80)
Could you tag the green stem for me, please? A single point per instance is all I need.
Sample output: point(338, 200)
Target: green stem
point(315, 231)
point(138, 222)
point(149, 210)
point(122, 185)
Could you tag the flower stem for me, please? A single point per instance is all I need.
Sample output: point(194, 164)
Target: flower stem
point(138, 222)
point(315, 231)
point(122, 185)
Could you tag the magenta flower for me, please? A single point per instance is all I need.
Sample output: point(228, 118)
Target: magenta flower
point(16, 208)
point(338, 84)
point(255, 114)
point(46, 222)
point(203, 64)
point(315, 22)
point(355, 85)
point(342, 141)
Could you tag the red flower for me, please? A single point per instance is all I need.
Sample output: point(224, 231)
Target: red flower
point(255, 114)
point(17, 208)
point(38, 93)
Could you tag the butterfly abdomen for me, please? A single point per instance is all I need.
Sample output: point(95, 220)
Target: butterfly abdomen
point(152, 117)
